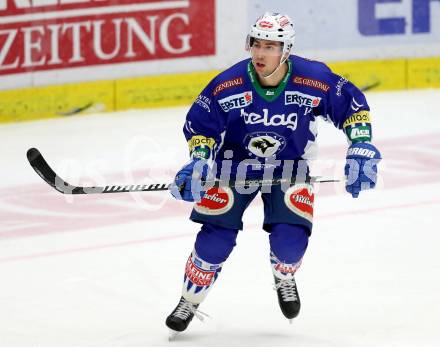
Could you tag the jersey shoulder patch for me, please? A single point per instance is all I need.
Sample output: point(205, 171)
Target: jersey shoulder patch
point(231, 78)
point(310, 73)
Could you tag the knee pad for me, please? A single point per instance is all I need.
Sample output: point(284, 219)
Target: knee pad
point(288, 242)
point(215, 243)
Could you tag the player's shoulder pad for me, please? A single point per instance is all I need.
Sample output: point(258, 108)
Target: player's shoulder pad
point(311, 73)
point(310, 66)
point(230, 79)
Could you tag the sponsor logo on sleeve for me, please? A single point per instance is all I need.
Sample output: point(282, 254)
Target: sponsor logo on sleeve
point(201, 153)
point(299, 199)
point(200, 140)
point(361, 133)
point(297, 98)
point(340, 85)
point(359, 117)
point(236, 101)
point(310, 82)
point(204, 102)
point(228, 84)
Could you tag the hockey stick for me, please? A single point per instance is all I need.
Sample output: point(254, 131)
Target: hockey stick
point(42, 168)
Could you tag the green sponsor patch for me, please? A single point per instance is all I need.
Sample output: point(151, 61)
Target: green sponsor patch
point(359, 134)
point(201, 152)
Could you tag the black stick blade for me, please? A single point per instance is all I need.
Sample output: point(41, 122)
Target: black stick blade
point(43, 170)
point(33, 154)
point(41, 167)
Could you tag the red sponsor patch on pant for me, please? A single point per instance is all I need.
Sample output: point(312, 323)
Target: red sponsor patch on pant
point(216, 201)
point(299, 199)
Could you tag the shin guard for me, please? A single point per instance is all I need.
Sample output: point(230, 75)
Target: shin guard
point(199, 278)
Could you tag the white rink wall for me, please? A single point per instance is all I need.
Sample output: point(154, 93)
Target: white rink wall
point(326, 30)
point(360, 29)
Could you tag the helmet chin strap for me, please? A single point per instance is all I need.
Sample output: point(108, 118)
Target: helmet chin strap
point(282, 61)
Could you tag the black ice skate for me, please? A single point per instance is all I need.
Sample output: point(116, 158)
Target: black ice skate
point(288, 297)
point(182, 315)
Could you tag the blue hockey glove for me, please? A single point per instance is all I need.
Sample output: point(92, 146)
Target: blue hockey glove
point(187, 184)
point(361, 167)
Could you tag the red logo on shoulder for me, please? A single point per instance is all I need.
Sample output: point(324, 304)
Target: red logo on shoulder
point(310, 82)
point(228, 84)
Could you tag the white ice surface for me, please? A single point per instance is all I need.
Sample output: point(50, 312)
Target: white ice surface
point(106, 270)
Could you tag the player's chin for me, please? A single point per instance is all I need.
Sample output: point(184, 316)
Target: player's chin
point(264, 72)
point(261, 70)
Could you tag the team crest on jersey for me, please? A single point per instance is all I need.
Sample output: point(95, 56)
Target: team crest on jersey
point(297, 98)
point(264, 144)
point(236, 101)
point(299, 199)
point(216, 201)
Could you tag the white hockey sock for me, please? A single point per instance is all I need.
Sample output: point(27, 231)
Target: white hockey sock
point(282, 270)
point(199, 278)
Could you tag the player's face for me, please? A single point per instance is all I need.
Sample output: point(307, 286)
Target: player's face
point(266, 56)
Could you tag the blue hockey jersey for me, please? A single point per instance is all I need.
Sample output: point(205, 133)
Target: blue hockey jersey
point(237, 119)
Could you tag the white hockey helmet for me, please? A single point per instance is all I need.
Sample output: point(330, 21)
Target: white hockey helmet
point(273, 27)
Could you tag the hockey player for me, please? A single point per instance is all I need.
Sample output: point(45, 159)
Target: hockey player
point(258, 119)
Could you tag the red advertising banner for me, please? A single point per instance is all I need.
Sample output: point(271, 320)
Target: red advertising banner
point(53, 34)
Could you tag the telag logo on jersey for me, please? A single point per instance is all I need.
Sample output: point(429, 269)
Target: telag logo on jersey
point(236, 101)
point(297, 98)
point(264, 144)
point(290, 120)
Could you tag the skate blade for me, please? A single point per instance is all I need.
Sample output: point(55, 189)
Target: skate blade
point(172, 335)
